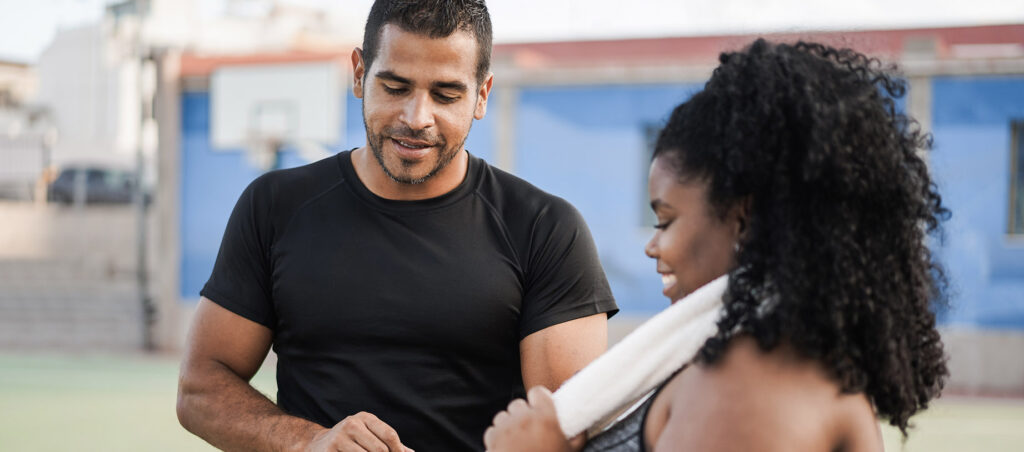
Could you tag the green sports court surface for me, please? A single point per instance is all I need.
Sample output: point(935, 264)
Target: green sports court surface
point(119, 403)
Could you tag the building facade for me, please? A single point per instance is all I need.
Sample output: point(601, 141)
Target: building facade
point(578, 118)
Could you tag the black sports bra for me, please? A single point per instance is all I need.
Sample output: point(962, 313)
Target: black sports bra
point(627, 435)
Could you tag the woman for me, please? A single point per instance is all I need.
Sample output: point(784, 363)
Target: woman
point(793, 172)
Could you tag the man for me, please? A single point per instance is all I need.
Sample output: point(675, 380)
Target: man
point(409, 289)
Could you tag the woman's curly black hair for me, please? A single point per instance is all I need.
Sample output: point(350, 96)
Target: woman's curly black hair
point(840, 206)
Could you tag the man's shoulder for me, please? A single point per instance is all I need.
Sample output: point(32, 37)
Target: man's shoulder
point(515, 196)
point(297, 183)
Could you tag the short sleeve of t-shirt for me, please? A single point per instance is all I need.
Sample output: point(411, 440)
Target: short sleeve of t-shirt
point(240, 281)
point(564, 278)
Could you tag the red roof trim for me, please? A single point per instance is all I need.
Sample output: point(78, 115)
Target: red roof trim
point(193, 65)
point(694, 49)
point(706, 48)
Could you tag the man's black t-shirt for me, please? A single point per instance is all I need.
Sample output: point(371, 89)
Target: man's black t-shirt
point(410, 310)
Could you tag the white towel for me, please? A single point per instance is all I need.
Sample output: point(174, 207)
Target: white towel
point(650, 354)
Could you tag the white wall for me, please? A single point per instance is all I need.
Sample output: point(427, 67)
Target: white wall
point(83, 83)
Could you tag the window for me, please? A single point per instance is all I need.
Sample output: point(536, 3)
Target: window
point(650, 132)
point(1016, 214)
point(95, 177)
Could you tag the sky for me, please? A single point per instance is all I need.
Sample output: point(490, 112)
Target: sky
point(27, 26)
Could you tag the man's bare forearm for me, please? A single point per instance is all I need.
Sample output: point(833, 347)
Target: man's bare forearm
point(217, 405)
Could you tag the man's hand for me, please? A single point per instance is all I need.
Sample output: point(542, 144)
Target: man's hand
point(358, 433)
point(529, 425)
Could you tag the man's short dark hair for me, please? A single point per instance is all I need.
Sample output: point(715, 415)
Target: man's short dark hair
point(433, 18)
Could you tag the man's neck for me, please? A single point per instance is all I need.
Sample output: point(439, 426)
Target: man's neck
point(377, 181)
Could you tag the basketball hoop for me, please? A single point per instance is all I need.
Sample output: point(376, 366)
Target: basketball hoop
point(263, 149)
point(271, 124)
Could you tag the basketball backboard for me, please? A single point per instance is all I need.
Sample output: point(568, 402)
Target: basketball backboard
point(285, 102)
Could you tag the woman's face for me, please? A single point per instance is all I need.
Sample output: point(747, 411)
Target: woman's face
point(691, 243)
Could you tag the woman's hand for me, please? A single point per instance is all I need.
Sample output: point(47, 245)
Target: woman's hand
point(529, 425)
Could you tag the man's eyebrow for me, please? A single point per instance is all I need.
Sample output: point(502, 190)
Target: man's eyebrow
point(457, 86)
point(388, 75)
point(453, 85)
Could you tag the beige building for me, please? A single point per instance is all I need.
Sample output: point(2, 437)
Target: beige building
point(17, 83)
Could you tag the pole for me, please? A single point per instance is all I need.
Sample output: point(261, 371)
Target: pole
point(146, 95)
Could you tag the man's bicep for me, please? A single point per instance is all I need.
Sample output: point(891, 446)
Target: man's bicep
point(221, 336)
point(552, 355)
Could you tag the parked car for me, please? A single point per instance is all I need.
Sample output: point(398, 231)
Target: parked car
point(100, 185)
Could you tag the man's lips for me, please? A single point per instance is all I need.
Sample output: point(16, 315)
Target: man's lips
point(412, 143)
point(411, 149)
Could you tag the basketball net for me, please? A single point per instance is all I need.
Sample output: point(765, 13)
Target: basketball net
point(262, 149)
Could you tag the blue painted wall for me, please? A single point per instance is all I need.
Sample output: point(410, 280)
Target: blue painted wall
point(590, 146)
point(210, 183)
point(971, 119)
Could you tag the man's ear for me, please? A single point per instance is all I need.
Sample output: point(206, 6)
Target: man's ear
point(481, 97)
point(358, 71)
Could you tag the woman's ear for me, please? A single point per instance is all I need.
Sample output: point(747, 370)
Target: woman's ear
point(741, 215)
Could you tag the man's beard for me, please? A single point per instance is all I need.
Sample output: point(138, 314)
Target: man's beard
point(444, 157)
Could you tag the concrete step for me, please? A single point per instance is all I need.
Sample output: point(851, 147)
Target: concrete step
point(83, 270)
point(71, 316)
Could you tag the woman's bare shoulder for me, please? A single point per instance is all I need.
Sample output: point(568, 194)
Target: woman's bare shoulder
point(774, 400)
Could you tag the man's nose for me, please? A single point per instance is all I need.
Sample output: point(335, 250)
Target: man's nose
point(418, 113)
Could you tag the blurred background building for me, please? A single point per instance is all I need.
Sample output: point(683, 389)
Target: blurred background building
point(578, 119)
point(197, 109)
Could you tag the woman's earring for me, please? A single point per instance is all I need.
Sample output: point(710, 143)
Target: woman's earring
point(736, 247)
